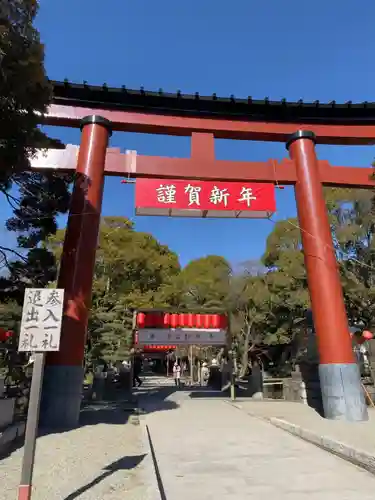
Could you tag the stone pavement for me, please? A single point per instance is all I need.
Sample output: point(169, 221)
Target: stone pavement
point(191, 443)
point(206, 448)
point(351, 440)
point(104, 459)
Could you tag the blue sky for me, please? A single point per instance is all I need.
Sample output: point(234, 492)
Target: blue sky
point(321, 50)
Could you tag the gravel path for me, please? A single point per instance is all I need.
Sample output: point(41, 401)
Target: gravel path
point(98, 461)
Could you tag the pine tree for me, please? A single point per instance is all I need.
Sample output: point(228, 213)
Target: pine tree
point(37, 198)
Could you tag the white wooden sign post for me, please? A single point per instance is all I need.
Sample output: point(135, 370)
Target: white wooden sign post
point(40, 333)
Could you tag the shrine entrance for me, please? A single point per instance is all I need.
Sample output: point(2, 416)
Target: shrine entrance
point(99, 110)
point(187, 332)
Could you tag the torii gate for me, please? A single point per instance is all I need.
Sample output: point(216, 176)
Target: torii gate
point(99, 110)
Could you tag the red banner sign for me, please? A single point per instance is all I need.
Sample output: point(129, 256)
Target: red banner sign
point(189, 198)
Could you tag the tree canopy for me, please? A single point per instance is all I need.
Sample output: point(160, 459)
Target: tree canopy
point(35, 197)
point(352, 215)
point(131, 270)
point(203, 284)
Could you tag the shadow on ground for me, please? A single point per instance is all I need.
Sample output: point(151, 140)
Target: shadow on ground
point(155, 399)
point(11, 448)
point(125, 463)
point(116, 408)
point(119, 408)
point(107, 412)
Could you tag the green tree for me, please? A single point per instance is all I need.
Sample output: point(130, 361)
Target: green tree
point(251, 306)
point(131, 268)
point(352, 217)
point(203, 284)
point(269, 299)
point(36, 198)
point(286, 278)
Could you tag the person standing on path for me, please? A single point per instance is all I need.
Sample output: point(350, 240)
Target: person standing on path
point(205, 374)
point(177, 373)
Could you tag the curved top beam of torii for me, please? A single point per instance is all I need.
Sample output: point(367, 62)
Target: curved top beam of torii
point(225, 118)
point(129, 121)
point(204, 119)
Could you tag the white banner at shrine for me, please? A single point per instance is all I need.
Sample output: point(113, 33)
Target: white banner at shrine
point(41, 320)
point(181, 336)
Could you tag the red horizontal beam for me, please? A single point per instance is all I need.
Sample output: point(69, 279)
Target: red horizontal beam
point(125, 121)
point(277, 172)
point(354, 177)
point(220, 170)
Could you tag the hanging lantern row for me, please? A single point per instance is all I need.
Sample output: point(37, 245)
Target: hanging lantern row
point(184, 320)
point(5, 335)
point(154, 347)
point(159, 348)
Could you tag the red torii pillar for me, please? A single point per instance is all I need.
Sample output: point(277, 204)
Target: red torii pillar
point(339, 374)
point(64, 371)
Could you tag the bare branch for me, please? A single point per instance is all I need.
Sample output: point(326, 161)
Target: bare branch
point(10, 199)
point(14, 252)
point(4, 258)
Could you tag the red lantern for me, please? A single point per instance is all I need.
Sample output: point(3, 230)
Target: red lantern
point(190, 320)
point(215, 321)
point(198, 320)
point(207, 320)
point(166, 320)
point(367, 335)
point(360, 338)
point(141, 320)
point(174, 320)
point(5, 335)
point(182, 320)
